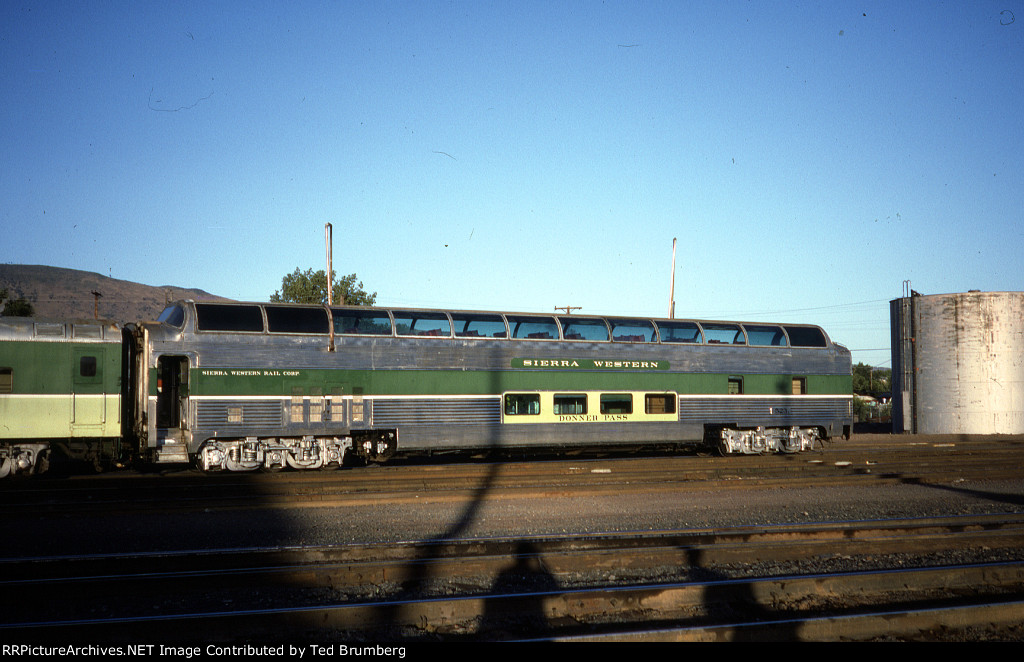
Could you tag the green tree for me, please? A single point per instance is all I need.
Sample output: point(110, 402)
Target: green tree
point(868, 380)
point(19, 307)
point(311, 287)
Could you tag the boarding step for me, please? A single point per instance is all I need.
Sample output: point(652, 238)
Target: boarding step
point(171, 449)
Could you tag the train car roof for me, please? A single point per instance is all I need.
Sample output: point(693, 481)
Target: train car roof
point(76, 330)
point(174, 315)
point(455, 311)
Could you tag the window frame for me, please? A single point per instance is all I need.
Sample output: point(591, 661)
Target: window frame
point(210, 318)
point(544, 322)
point(465, 319)
point(375, 315)
point(715, 330)
point(298, 317)
point(757, 331)
point(572, 399)
point(528, 398)
point(669, 402)
point(647, 326)
point(399, 318)
point(806, 336)
point(608, 404)
point(698, 338)
point(567, 323)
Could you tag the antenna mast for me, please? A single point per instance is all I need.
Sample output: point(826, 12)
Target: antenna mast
point(330, 286)
point(672, 288)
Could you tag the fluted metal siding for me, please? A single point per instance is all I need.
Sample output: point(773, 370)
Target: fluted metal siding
point(258, 415)
point(389, 412)
point(762, 411)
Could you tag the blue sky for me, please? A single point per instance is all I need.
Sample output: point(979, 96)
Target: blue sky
point(809, 157)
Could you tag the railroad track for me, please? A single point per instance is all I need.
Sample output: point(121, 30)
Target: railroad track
point(840, 463)
point(850, 580)
point(826, 580)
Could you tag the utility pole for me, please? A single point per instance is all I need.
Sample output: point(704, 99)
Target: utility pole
point(330, 286)
point(672, 287)
point(96, 304)
point(330, 280)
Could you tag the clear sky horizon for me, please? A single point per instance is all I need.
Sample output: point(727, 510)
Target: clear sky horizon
point(809, 157)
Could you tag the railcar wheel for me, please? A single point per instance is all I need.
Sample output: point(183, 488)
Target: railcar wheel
point(720, 440)
point(273, 461)
point(43, 462)
point(306, 454)
point(210, 459)
point(5, 467)
point(337, 453)
point(305, 466)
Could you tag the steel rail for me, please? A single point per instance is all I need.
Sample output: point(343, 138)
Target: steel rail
point(401, 484)
point(298, 575)
point(996, 525)
point(727, 603)
point(987, 621)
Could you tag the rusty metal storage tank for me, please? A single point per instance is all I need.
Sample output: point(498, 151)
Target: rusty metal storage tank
point(958, 363)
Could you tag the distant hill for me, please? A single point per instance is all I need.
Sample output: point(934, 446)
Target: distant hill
point(68, 293)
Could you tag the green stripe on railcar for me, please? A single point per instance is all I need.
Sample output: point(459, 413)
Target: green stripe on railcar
point(283, 382)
